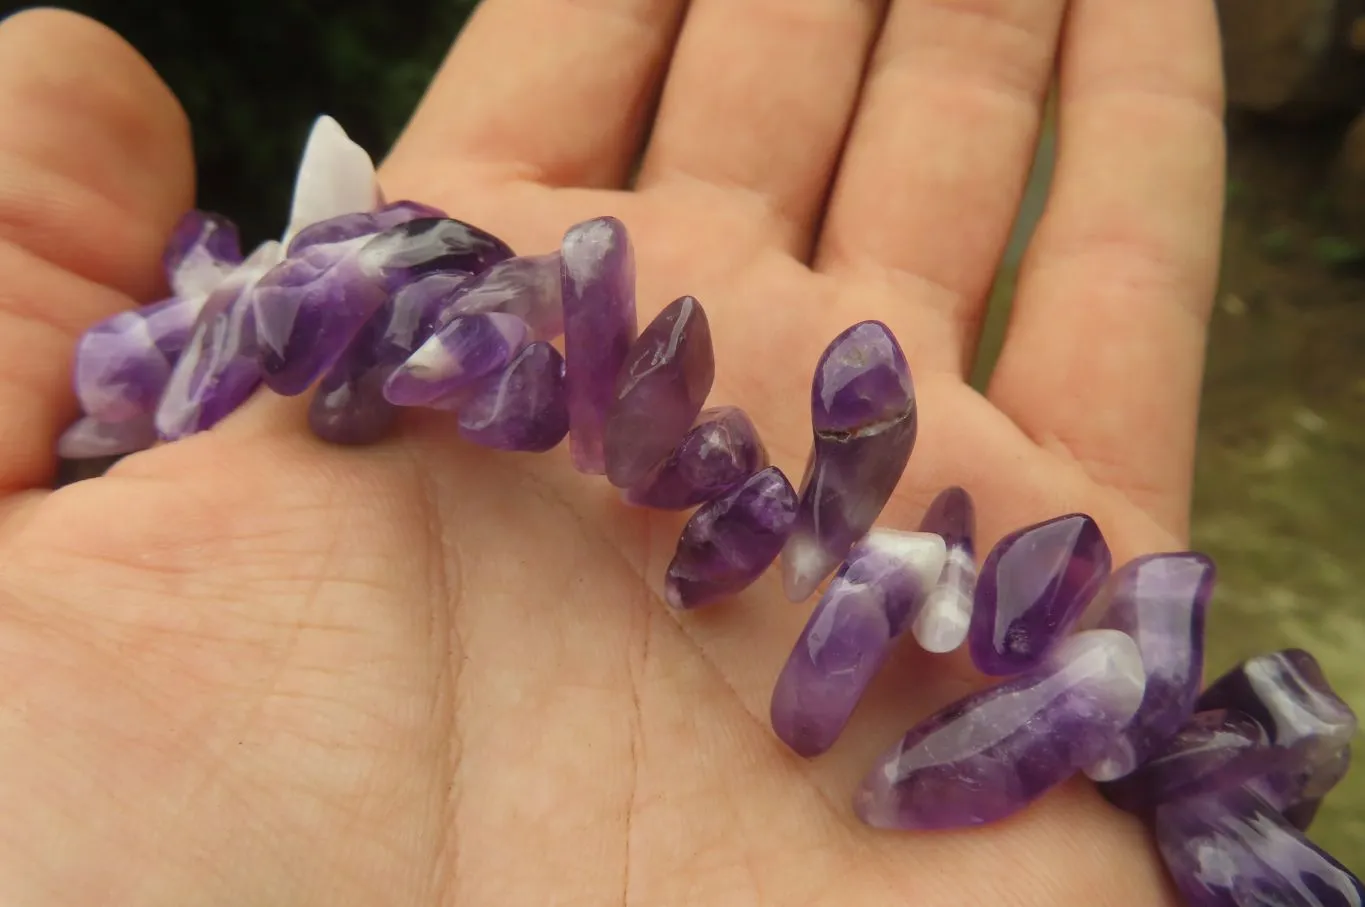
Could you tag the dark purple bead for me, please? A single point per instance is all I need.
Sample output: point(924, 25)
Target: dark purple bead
point(730, 541)
point(1160, 601)
point(522, 408)
point(869, 604)
point(1209, 753)
point(203, 249)
point(360, 223)
point(527, 286)
point(662, 387)
point(994, 752)
point(1033, 586)
point(411, 250)
point(598, 285)
point(943, 621)
point(1233, 849)
point(864, 419)
point(720, 452)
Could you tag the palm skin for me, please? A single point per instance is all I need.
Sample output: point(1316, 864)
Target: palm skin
point(249, 668)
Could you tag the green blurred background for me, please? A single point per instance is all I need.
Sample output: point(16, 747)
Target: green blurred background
point(1280, 482)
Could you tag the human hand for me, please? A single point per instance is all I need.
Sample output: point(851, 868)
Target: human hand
point(249, 668)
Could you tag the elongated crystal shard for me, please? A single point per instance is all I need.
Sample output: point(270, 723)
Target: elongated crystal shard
point(662, 387)
point(942, 623)
point(716, 456)
point(527, 286)
point(1233, 849)
point(1033, 587)
point(994, 752)
point(356, 224)
point(457, 357)
point(865, 421)
point(730, 541)
point(597, 270)
point(1160, 601)
point(524, 407)
point(869, 604)
point(336, 177)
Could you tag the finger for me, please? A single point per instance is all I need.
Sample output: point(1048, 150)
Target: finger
point(758, 99)
point(552, 91)
point(1104, 352)
point(95, 167)
point(938, 157)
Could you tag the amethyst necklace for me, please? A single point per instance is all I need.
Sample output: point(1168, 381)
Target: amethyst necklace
point(388, 305)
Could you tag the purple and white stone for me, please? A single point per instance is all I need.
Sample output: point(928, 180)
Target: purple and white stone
point(1159, 600)
point(88, 438)
point(1233, 849)
point(597, 271)
point(864, 419)
point(1209, 753)
point(360, 223)
point(661, 388)
point(942, 623)
point(203, 249)
point(1033, 587)
point(522, 408)
point(719, 453)
point(455, 358)
point(336, 176)
point(220, 365)
point(994, 752)
point(870, 603)
point(1288, 694)
point(729, 542)
point(527, 286)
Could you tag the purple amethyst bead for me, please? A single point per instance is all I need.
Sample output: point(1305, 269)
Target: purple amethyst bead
point(720, 452)
point(88, 438)
point(864, 419)
point(455, 358)
point(1233, 849)
point(360, 223)
point(994, 752)
point(869, 604)
point(203, 249)
point(523, 408)
point(942, 623)
point(1209, 753)
point(526, 286)
point(729, 542)
point(1033, 586)
point(1160, 601)
point(598, 285)
point(220, 366)
point(659, 392)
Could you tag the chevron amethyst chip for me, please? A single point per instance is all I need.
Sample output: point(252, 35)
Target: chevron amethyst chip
point(202, 250)
point(360, 223)
point(942, 623)
point(527, 286)
point(865, 421)
point(442, 371)
point(523, 407)
point(716, 456)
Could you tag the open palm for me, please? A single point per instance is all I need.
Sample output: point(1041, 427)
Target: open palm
point(248, 668)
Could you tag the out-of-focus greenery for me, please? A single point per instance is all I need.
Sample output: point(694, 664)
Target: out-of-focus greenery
point(253, 74)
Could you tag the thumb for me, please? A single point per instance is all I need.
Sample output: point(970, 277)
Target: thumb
point(95, 169)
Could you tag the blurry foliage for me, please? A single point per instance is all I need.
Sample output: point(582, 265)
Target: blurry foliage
point(254, 74)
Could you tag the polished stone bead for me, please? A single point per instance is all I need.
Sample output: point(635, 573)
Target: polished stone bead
point(1233, 849)
point(455, 358)
point(349, 406)
point(524, 407)
point(336, 177)
point(1033, 587)
point(1159, 600)
point(220, 365)
point(994, 752)
point(942, 623)
point(720, 451)
point(310, 308)
point(527, 286)
point(1288, 694)
point(88, 438)
point(597, 273)
point(203, 249)
point(864, 419)
point(360, 223)
point(729, 542)
point(868, 605)
point(1211, 751)
point(662, 387)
